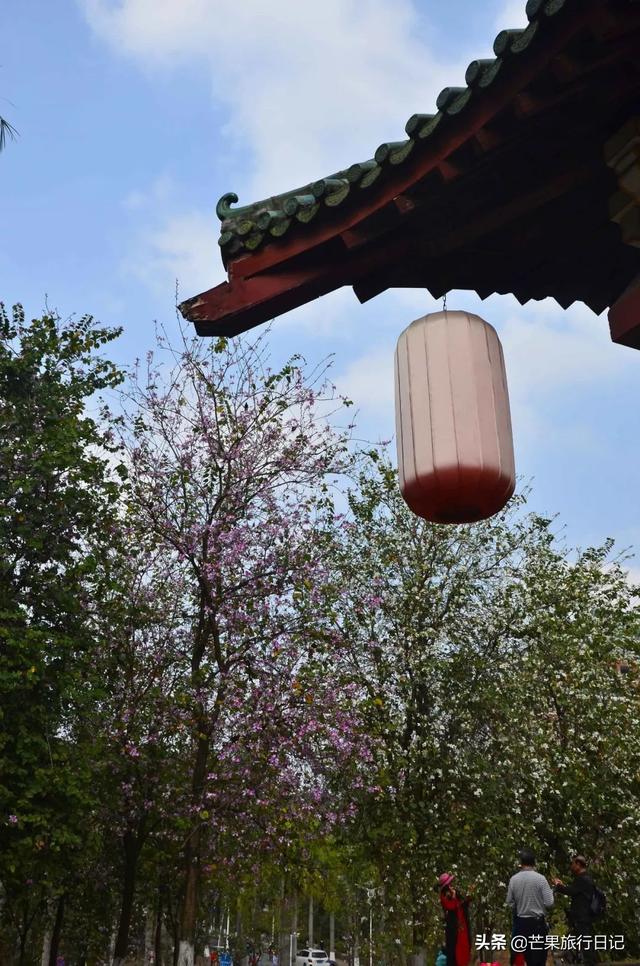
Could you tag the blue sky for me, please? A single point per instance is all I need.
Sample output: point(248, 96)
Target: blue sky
point(136, 115)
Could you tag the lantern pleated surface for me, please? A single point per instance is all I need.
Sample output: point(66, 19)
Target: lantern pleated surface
point(453, 424)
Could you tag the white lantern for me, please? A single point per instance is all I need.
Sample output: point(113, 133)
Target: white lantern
point(453, 423)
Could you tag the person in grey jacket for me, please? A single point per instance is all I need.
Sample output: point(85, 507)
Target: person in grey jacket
point(530, 897)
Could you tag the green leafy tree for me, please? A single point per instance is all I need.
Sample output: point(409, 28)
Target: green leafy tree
point(461, 641)
point(571, 741)
point(57, 498)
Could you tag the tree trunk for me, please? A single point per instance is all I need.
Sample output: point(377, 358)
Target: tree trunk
point(148, 937)
point(284, 946)
point(176, 941)
point(57, 931)
point(310, 923)
point(112, 942)
point(46, 946)
point(294, 929)
point(131, 844)
point(158, 935)
point(23, 946)
point(5, 955)
point(240, 953)
point(332, 936)
point(186, 953)
point(48, 935)
point(192, 852)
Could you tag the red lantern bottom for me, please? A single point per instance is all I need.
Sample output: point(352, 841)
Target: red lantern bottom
point(460, 494)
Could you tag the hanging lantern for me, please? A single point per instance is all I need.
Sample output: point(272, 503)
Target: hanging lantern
point(453, 425)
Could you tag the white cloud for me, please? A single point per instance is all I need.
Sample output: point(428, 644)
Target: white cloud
point(511, 14)
point(550, 354)
point(551, 349)
point(179, 247)
point(158, 193)
point(308, 90)
point(368, 381)
point(633, 574)
point(330, 316)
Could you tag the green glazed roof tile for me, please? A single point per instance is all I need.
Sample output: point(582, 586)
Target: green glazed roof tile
point(249, 226)
point(415, 122)
point(307, 213)
point(253, 241)
point(280, 227)
point(360, 168)
point(337, 194)
point(446, 96)
point(392, 148)
point(266, 218)
point(475, 70)
point(460, 102)
point(294, 202)
point(522, 42)
point(328, 186)
point(403, 152)
point(534, 7)
point(553, 7)
point(504, 40)
point(489, 75)
point(429, 127)
point(371, 176)
point(245, 227)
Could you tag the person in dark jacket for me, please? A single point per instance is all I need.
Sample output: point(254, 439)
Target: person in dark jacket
point(580, 891)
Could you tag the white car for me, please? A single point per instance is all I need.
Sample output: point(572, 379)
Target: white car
point(312, 957)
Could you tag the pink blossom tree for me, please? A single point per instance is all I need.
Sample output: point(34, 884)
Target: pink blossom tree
point(230, 466)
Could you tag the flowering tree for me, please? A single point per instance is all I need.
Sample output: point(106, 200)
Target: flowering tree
point(223, 688)
point(228, 460)
point(462, 641)
point(137, 728)
point(571, 733)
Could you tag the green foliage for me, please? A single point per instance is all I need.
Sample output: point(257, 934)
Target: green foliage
point(6, 130)
point(204, 665)
point(56, 503)
point(486, 661)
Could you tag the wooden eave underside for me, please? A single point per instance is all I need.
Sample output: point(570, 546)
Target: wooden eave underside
point(512, 198)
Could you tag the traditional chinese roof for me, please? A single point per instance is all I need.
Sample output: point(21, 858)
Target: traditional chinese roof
point(506, 187)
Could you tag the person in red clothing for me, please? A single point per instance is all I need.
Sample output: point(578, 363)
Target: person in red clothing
point(456, 922)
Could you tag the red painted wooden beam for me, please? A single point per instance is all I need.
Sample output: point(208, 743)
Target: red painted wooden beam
point(624, 317)
point(242, 303)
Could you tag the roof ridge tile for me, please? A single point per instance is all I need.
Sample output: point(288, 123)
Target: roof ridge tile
point(248, 225)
